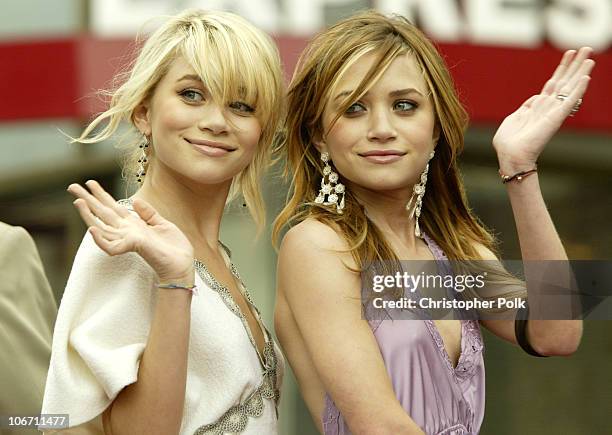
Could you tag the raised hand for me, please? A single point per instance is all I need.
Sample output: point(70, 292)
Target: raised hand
point(523, 135)
point(117, 231)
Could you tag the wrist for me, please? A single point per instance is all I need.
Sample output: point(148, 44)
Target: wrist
point(517, 176)
point(172, 286)
point(511, 165)
point(186, 279)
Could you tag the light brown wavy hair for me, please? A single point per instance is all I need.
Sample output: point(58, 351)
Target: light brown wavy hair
point(446, 216)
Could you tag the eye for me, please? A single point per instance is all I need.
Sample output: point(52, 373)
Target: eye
point(192, 95)
point(404, 106)
point(241, 107)
point(355, 108)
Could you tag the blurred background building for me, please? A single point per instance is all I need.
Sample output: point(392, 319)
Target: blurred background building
point(55, 54)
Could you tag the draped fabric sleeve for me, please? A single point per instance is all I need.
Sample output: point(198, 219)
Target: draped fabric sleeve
point(100, 335)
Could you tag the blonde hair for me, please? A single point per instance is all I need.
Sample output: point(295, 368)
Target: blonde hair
point(234, 59)
point(446, 216)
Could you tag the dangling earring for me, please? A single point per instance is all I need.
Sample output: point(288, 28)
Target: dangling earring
point(418, 192)
point(331, 192)
point(142, 161)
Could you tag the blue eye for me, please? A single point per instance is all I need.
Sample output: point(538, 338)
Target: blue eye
point(404, 106)
point(241, 107)
point(355, 108)
point(192, 95)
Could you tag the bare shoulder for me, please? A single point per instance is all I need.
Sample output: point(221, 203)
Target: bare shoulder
point(313, 234)
point(484, 252)
point(311, 254)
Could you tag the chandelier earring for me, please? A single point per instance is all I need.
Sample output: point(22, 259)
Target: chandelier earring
point(331, 192)
point(418, 192)
point(143, 160)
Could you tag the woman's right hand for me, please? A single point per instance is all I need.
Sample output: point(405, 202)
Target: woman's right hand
point(117, 231)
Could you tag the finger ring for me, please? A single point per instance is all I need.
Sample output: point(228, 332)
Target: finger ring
point(562, 97)
point(576, 107)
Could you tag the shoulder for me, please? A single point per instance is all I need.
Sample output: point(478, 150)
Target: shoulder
point(312, 256)
point(95, 275)
point(17, 248)
point(311, 234)
point(484, 252)
point(11, 237)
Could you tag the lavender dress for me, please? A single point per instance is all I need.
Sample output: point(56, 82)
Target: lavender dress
point(441, 399)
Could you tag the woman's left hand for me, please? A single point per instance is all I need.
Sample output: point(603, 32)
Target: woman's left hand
point(523, 135)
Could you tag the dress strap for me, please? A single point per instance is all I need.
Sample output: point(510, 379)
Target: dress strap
point(437, 252)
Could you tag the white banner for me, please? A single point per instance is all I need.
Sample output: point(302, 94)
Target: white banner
point(520, 23)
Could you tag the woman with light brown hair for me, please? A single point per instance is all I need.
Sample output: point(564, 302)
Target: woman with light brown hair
point(136, 349)
point(374, 129)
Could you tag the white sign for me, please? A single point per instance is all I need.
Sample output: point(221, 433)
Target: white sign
point(521, 23)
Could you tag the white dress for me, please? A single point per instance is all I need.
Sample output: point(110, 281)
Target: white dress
point(101, 332)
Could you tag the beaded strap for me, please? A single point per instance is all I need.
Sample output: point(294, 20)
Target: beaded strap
point(236, 418)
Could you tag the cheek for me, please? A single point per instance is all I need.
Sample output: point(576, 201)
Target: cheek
point(341, 139)
point(174, 115)
point(249, 133)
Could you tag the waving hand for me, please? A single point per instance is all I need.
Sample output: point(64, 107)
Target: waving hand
point(523, 135)
point(117, 231)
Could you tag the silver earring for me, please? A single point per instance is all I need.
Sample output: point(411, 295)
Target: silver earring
point(418, 192)
point(142, 161)
point(331, 191)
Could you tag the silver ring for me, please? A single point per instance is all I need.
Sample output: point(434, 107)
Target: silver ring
point(576, 107)
point(562, 97)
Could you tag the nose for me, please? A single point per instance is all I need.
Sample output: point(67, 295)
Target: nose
point(213, 119)
point(381, 128)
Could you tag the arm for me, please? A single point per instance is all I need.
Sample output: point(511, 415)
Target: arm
point(326, 307)
point(154, 403)
point(28, 313)
point(518, 143)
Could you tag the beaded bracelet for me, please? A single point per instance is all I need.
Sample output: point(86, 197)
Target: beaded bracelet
point(518, 176)
point(193, 289)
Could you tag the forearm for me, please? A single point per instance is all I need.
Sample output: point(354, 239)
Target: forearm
point(154, 404)
point(539, 241)
point(536, 232)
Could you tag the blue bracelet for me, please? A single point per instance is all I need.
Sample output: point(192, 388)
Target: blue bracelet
point(193, 289)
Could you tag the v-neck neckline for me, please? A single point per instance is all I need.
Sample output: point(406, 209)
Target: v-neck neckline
point(233, 306)
point(439, 256)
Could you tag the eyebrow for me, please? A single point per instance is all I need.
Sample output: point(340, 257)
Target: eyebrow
point(396, 93)
point(194, 77)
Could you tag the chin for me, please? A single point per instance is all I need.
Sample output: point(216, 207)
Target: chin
point(384, 185)
point(210, 175)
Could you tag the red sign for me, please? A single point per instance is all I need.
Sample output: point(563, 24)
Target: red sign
point(57, 79)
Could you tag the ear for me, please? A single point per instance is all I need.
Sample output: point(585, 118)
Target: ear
point(319, 142)
point(436, 134)
point(140, 117)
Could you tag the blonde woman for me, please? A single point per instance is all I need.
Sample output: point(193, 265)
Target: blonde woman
point(373, 133)
point(156, 333)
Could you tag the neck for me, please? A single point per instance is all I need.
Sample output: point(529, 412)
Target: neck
point(387, 209)
point(194, 208)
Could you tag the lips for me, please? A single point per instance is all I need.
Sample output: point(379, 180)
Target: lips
point(211, 148)
point(383, 156)
point(382, 153)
